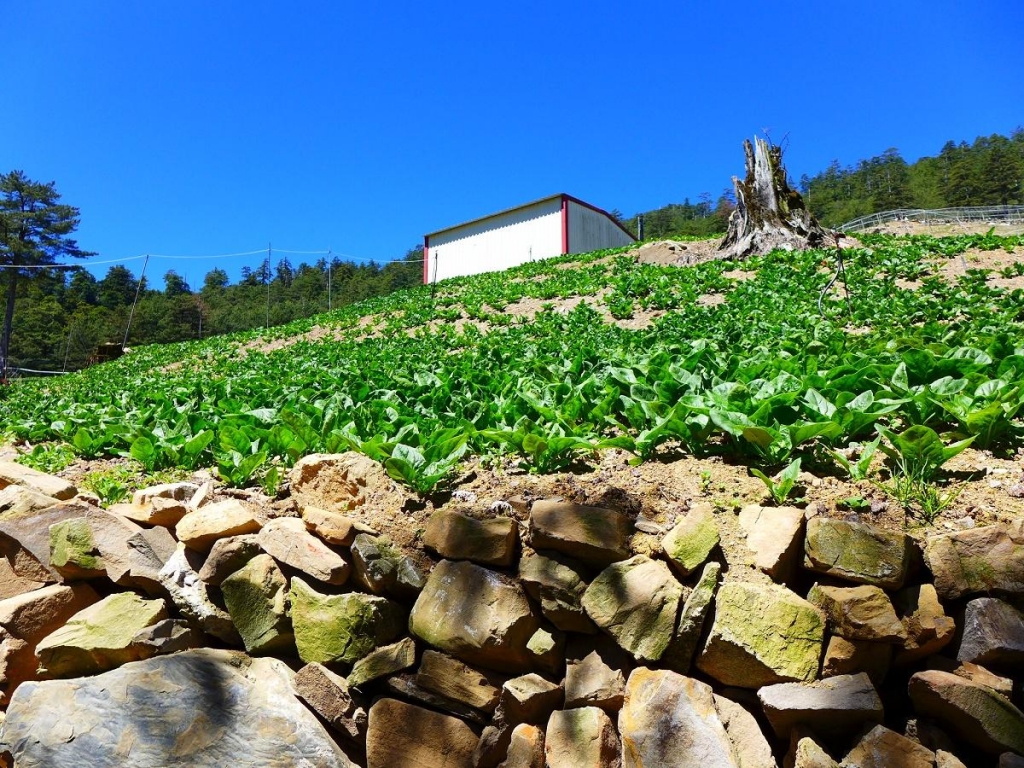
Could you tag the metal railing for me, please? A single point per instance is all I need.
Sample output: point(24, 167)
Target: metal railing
point(984, 213)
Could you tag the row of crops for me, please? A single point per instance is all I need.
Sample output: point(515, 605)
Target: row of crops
point(764, 377)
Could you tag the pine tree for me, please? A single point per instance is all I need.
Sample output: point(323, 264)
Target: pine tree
point(35, 230)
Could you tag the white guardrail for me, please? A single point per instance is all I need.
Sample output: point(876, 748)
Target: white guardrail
point(986, 213)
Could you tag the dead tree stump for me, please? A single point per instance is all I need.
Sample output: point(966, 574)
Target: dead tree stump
point(768, 213)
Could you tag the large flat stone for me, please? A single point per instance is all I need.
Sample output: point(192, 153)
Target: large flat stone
point(476, 615)
point(287, 541)
point(226, 710)
point(18, 500)
point(834, 706)
point(12, 473)
point(857, 552)
point(979, 561)
point(762, 635)
point(457, 536)
point(859, 613)
point(403, 735)
point(11, 584)
point(971, 711)
point(594, 535)
point(882, 748)
point(670, 720)
point(100, 637)
point(453, 679)
point(636, 602)
point(200, 528)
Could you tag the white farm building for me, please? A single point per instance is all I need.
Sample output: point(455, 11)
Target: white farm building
point(551, 226)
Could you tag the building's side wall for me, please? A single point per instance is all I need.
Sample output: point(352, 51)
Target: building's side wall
point(590, 230)
point(513, 238)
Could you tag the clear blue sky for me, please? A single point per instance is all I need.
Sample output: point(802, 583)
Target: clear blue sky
point(217, 127)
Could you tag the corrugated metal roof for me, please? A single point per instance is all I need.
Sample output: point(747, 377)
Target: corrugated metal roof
point(560, 195)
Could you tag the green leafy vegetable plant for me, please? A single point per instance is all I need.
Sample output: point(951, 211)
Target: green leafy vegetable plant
point(780, 490)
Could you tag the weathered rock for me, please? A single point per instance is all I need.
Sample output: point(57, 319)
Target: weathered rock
point(858, 613)
point(329, 696)
point(457, 536)
point(191, 597)
point(19, 500)
point(749, 745)
point(834, 706)
point(882, 748)
point(581, 738)
point(945, 759)
point(529, 699)
point(774, 537)
point(476, 615)
point(255, 596)
point(161, 505)
point(928, 627)
point(287, 541)
point(227, 556)
point(332, 629)
point(762, 635)
point(12, 585)
point(169, 636)
point(25, 538)
point(594, 682)
point(557, 582)
point(670, 720)
point(383, 661)
point(973, 672)
point(546, 650)
point(526, 748)
point(493, 745)
point(593, 535)
point(1008, 760)
point(848, 657)
point(979, 561)
point(375, 565)
point(971, 711)
point(993, 634)
point(343, 482)
point(636, 602)
point(406, 736)
point(28, 618)
point(99, 543)
point(679, 655)
point(100, 637)
point(223, 702)
point(404, 686)
point(449, 677)
point(200, 528)
point(805, 752)
point(12, 473)
point(334, 527)
point(692, 540)
point(857, 552)
point(410, 580)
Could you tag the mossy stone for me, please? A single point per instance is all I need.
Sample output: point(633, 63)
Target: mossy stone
point(762, 635)
point(689, 544)
point(255, 596)
point(331, 629)
point(73, 549)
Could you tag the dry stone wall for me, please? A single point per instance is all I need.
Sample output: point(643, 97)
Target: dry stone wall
point(191, 629)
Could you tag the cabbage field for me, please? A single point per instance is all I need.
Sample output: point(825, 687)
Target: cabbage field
point(923, 360)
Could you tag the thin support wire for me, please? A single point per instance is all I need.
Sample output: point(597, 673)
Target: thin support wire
point(131, 315)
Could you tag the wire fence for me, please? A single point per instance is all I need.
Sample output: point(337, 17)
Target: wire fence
point(993, 214)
